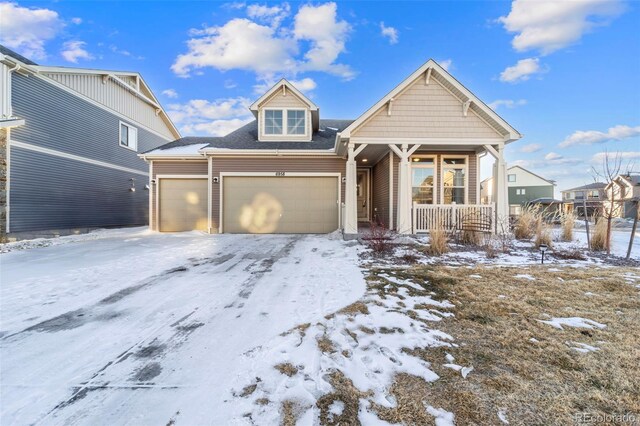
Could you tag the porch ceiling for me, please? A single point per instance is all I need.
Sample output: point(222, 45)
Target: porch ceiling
point(375, 152)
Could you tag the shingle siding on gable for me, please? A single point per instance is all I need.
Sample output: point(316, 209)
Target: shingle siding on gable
point(279, 100)
point(49, 192)
point(425, 111)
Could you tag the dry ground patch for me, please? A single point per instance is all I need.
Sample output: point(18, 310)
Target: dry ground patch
point(529, 371)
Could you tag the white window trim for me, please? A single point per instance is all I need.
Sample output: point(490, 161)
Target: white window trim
point(515, 177)
point(418, 165)
point(264, 137)
point(129, 126)
point(466, 176)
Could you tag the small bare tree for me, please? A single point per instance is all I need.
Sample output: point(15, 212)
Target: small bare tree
point(609, 171)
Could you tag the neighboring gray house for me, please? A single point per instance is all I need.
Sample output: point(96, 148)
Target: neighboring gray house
point(525, 187)
point(586, 197)
point(69, 144)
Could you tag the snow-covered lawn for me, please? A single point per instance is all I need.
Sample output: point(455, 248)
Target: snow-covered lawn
point(619, 242)
point(133, 327)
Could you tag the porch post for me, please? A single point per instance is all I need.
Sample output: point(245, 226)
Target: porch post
point(501, 191)
point(404, 202)
point(350, 219)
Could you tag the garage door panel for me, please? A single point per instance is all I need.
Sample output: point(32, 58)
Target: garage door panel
point(266, 204)
point(183, 205)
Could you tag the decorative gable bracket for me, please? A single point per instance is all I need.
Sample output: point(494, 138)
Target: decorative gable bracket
point(465, 107)
point(389, 104)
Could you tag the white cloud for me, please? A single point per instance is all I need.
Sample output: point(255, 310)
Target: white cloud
point(552, 156)
point(305, 85)
point(215, 118)
point(508, 103)
point(389, 32)
point(531, 148)
point(76, 21)
point(170, 93)
point(590, 137)
point(273, 15)
point(320, 26)
point(267, 50)
point(230, 84)
point(238, 44)
point(623, 155)
point(447, 64)
point(123, 52)
point(548, 26)
point(74, 50)
point(28, 29)
point(521, 71)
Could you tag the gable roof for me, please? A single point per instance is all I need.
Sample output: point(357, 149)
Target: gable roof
point(285, 85)
point(140, 90)
point(246, 138)
point(434, 70)
point(594, 185)
point(552, 182)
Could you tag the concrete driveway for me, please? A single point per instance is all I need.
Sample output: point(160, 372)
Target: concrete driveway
point(134, 327)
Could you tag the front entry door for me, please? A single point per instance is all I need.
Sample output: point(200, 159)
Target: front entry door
point(363, 195)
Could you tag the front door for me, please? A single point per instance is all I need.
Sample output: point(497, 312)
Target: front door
point(363, 195)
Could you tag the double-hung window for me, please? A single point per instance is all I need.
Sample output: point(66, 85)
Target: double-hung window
point(454, 180)
point(422, 180)
point(285, 122)
point(128, 136)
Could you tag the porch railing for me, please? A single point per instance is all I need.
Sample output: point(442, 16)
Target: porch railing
point(452, 216)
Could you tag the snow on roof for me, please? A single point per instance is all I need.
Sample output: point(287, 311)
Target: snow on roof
point(178, 150)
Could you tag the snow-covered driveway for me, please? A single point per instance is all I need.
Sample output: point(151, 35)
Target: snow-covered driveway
point(134, 327)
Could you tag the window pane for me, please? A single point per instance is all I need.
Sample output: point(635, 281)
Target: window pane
point(454, 161)
point(296, 122)
point(273, 122)
point(422, 185)
point(421, 160)
point(124, 135)
point(452, 195)
point(512, 178)
point(453, 177)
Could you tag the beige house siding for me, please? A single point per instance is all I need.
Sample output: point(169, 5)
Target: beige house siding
point(270, 165)
point(380, 191)
point(425, 111)
point(280, 100)
point(172, 167)
point(116, 97)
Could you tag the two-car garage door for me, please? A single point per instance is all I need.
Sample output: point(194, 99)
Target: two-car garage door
point(278, 204)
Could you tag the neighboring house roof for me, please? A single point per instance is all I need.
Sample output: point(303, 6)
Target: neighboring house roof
point(246, 138)
point(546, 200)
point(431, 69)
point(594, 185)
point(6, 51)
point(551, 182)
point(140, 89)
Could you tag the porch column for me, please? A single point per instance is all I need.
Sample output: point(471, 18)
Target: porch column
point(501, 191)
point(350, 197)
point(404, 199)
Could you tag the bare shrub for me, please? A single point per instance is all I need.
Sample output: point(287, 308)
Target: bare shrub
point(379, 238)
point(571, 254)
point(567, 222)
point(526, 223)
point(599, 239)
point(438, 240)
point(473, 238)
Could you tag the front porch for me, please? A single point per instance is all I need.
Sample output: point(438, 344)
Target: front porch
point(413, 190)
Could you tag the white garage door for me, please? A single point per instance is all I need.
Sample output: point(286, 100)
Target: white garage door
point(183, 205)
point(281, 205)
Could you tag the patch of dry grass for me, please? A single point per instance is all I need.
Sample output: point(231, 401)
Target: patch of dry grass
point(599, 236)
point(543, 382)
point(543, 234)
point(348, 394)
point(567, 222)
point(325, 345)
point(438, 241)
point(286, 368)
point(525, 225)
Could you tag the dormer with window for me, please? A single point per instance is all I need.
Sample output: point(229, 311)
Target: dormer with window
point(285, 114)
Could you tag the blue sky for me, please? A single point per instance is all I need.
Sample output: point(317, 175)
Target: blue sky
point(566, 74)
